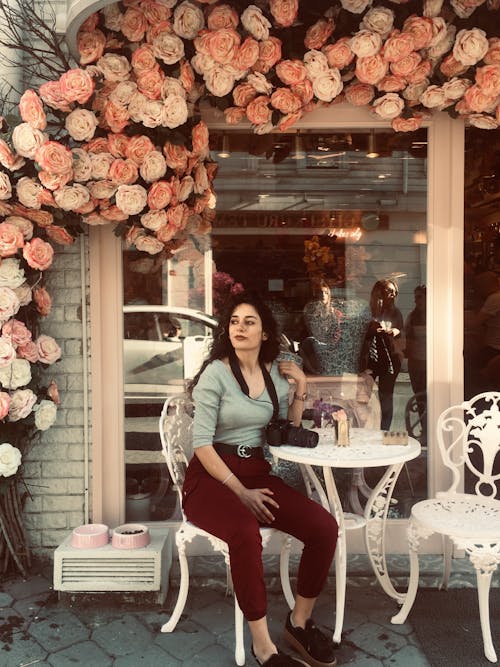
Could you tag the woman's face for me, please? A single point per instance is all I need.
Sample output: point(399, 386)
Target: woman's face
point(325, 294)
point(245, 328)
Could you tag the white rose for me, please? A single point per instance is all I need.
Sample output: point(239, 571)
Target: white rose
point(114, 67)
point(112, 17)
point(148, 244)
point(101, 162)
point(131, 199)
point(82, 165)
point(219, 81)
point(355, 6)
point(327, 86)
point(72, 197)
point(28, 192)
point(255, 22)
point(102, 189)
point(414, 91)
point(168, 47)
point(152, 113)
point(10, 459)
point(188, 20)
point(463, 9)
point(171, 86)
point(153, 167)
point(9, 304)
point(81, 124)
point(202, 62)
point(136, 106)
point(18, 374)
point(21, 404)
point(45, 415)
point(186, 188)
point(11, 273)
point(378, 19)
point(27, 140)
point(24, 225)
point(388, 106)
point(365, 43)
point(432, 8)
point(258, 81)
point(482, 121)
point(175, 112)
point(470, 46)
point(433, 97)
point(315, 63)
point(263, 128)
point(7, 352)
point(154, 220)
point(23, 293)
point(455, 88)
point(123, 93)
point(5, 187)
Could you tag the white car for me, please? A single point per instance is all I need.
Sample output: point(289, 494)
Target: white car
point(163, 346)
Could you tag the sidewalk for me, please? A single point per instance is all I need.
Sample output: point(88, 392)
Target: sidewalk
point(36, 628)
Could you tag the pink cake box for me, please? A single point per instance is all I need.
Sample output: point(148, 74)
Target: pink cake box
point(90, 536)
point(130, 536)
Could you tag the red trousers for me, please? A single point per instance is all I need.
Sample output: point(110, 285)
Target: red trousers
point(215, 508)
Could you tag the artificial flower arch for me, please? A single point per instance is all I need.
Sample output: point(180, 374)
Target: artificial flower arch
point(118, 139)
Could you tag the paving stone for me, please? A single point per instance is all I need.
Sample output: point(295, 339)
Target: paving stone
point(214, 655)
point(186, 640)
point(122, 637)
point(6, 600)
point(27, 588)
point(83, 653)
point(24, 650)
point(409, 656)
point(214, 617)
point(29, 608)
point(56, 630)
point(376, 640)
point(12, 626)
point(153, 656)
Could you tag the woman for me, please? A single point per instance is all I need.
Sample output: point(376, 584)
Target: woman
point(229, 491)
point(384, 344)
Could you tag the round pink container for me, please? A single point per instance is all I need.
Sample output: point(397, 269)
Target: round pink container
point(90, 536)
point(131, 536)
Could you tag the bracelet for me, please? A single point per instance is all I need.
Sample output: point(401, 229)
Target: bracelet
point(228, 477)
point(299, 397)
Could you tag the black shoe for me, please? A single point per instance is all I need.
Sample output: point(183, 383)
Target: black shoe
point(280, 659)
point(312, 644)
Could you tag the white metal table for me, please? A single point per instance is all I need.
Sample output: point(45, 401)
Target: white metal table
point(365, 451)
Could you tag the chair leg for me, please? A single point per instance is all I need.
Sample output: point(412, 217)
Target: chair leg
point(340, 584)
point(483, 591)
point(447, 552)
point(285, 571)
point(169, 626)
point(239, 646)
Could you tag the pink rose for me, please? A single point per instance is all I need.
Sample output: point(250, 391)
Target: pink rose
point(478, 101)
point(284, 11)
point(112, 214)
point(176, 156)
point(200, 139)
point(246, 55)
point(339, 54)
point(372, 69)
point(31, 110)
point(398, 46)
point(155, 12)
point(289, 120)
point(304, 91)
point(451, 67)
point(243, 94)
point(21, 404)
point(77, 86)
point(138, 147)
point(54, 158)
point(420, 73)
point(24, 225)
point(269, 54)
point(223, 45)
point(116, 116)
point(159, 195)
point(186, 76)
point(291, 72)
point(11, 239)
point(222, 16)
point(258, 110)
point(90, 45)
point(60, 235)
point(492, 56)
point(133, 24)
point(143, 59)
point(488, 79)
point(365, 43)
point(234, 115)
point(131, 199)
point(285, 101)
point(52, 182)
point(38, 253)
point(8, 159)
point(318, 33)
point(177, 216)
point(17, 331)
point(51, 93)
point(150, 83)
point(359, 94)
point(391, 84)
point(388, 106)
point(404, 67)
point(48, 350)
point(123, 172)
point(4, 404)
point(422, 30)
point(28, 351)
point(53, 392)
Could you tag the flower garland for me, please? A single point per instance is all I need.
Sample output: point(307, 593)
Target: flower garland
point(118, 139)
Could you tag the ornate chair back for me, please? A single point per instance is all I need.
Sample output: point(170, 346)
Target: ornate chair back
point(469, 439)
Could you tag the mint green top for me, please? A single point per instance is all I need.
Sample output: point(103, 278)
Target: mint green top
point(223, 413)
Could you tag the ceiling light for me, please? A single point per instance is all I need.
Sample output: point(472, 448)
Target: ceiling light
point(372, 146)
point(225, 147)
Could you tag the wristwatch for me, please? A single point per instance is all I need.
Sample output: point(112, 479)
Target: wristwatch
point(300, 397)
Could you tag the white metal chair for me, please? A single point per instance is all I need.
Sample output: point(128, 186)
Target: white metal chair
point(469, 438)
point(175, 433)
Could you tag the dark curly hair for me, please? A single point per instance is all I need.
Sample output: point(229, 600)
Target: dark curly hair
point(221, 346)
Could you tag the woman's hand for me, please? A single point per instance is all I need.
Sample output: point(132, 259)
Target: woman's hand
point(291, 370)
point(257, 500)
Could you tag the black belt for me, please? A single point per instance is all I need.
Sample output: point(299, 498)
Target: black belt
point(243, 451)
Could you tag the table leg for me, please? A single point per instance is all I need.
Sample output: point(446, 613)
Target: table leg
point(376, 510)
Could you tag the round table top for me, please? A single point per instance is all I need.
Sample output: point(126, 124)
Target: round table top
point(365, 450)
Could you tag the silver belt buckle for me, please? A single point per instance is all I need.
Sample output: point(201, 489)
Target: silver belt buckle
point(243, 451)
